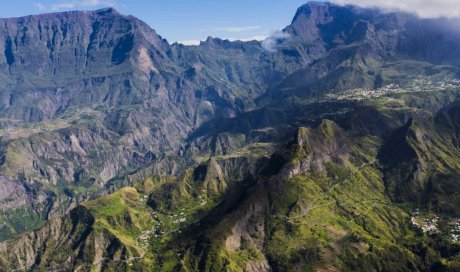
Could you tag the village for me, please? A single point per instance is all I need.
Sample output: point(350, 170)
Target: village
point(455, 230)
point(164, 224)
point(159, 227)
point(416, 85)
point(429, 224)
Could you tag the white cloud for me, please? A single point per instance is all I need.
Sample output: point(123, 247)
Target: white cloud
point(94, 3)
point(253, 38)
point(423, 8)
point(232, 29)
point(190, 42)
point(247, 39)
point(271, 41)
point(60, 6)
point(82, 4)
point(40, 6)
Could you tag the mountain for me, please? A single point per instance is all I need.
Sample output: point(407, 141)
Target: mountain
point(330, 146)
point(90, 97)
point(367, 48)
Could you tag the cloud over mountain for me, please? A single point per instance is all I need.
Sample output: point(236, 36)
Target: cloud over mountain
point(74, 4)
point(424, 8)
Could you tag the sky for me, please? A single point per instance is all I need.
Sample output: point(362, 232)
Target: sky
point(189, 21)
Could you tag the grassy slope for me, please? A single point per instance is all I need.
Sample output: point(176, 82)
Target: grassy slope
point(342, 216)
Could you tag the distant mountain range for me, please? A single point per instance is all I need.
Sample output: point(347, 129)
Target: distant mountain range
point(333, 145)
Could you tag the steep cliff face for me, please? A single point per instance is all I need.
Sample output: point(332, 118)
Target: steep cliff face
point(67, 44)
point(421, 161)
point(65, 243)
point(56, 61)
point(103, 234)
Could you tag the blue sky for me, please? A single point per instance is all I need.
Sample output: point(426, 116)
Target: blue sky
point(181, 20)
point(189, 21)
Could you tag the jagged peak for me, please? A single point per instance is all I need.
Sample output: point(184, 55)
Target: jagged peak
point(309, 17)
point(310, 7)
point(318, 11)
point(215, 40)
point(325, 131)
point(108, 10)
point(100, 12)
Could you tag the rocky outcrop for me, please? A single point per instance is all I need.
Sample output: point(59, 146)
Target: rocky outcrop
point(12, 195)
point(420, 160)
point(67, 243)
point(250, 227)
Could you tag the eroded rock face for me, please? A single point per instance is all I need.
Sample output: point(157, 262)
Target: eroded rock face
point(48, 245)
point(72, 43)
point(11, 195)
point(250, 228)
point(256, 266)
